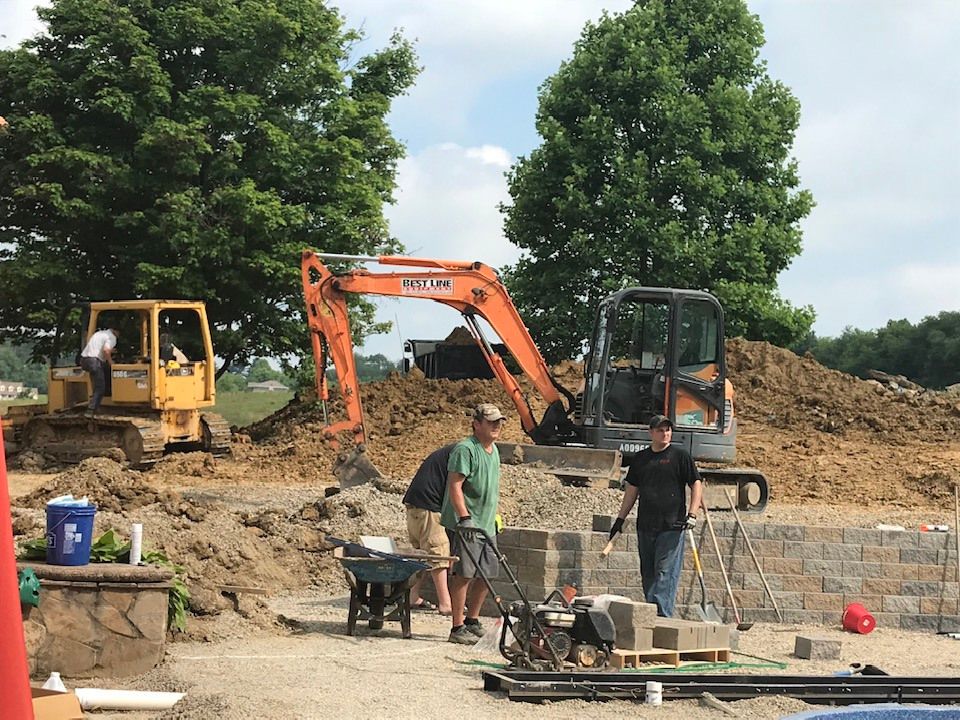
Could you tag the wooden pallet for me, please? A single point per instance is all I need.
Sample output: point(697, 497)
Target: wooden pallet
point(706, 655)
point(621, 659)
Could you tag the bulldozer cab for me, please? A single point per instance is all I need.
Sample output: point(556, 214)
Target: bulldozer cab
point(657, 351)
point(163, 359)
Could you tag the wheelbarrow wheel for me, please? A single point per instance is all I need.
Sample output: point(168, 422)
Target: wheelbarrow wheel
point(376, 606)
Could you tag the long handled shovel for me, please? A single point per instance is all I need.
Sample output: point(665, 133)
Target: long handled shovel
point(708, 611)
point(741, 626)
point(756, 562)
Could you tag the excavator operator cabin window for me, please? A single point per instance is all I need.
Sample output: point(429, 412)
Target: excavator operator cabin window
point(633, 391)
point(699, 336)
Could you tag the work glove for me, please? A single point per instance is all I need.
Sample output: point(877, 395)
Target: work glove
point(465, 522)
point(690, 523)
point(498, 523)
point(616, 528)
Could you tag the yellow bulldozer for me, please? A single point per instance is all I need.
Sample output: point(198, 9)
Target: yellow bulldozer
point(161, 377)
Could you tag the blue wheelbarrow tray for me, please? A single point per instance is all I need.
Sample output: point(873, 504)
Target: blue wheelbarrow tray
point(380, 587)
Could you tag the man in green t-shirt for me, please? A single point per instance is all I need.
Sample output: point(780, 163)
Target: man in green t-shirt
point(473, 491)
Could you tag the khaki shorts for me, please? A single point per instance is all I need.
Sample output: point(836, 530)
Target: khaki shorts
point(425, 531)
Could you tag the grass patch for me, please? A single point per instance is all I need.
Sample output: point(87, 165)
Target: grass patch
point(243, 408)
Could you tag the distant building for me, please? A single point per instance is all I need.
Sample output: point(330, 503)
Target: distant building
point(267, 386)
point(10, 390)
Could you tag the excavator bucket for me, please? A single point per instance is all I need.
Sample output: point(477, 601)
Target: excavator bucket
point(355, 468)
point(576, 465)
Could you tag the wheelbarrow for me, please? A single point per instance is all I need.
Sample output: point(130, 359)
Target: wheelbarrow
point(379, 585)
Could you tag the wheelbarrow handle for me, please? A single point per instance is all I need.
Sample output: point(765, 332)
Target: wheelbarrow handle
point(377, 553)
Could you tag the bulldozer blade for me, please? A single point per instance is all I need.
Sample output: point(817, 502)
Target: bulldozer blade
point(588, 466)
point(355, 468)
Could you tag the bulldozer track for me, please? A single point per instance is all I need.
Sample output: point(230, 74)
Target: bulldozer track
point(217, 434)
point(108, 431)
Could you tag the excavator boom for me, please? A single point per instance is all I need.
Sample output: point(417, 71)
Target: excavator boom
point(471, 288)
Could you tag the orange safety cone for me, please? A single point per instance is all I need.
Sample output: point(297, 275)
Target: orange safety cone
point(14, 676)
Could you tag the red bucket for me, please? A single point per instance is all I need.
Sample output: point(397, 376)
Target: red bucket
point(856, 618)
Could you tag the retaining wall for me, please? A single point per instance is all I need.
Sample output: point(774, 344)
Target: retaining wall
point(97, 620)
point(906, 579)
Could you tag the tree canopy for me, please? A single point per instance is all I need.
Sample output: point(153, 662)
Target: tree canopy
point(191, 149)
point(664, 161)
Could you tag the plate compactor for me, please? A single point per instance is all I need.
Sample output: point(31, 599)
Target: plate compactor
point(550, 635)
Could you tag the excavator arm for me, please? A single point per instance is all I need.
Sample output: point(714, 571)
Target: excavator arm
point(471, 288)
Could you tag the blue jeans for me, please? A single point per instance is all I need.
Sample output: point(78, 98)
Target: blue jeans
point(100, 377)
point(661, 558)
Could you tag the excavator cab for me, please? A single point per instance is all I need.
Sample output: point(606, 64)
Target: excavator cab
point(656, 351)
point(661, 351)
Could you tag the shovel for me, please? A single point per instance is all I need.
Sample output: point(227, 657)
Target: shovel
point(741, 626)
point(708, 611)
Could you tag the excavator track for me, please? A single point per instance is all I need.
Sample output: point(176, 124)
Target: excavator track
point(747, 488)
point(216, 434)
point(72, 437)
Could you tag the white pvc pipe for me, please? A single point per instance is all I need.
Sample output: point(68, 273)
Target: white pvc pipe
point(101, 699)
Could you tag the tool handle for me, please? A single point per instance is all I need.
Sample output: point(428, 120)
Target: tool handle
point(723, 570)
point(696, 555)
point(608, 547)
point(756, 562)
point(375, 553)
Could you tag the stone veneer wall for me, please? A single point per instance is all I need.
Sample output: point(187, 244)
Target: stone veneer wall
point(906, 579)
point(97, 620)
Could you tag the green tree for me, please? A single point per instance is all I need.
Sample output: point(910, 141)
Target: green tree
point(231, 382)
point(191, 149)
point(261, 371)
point(664, 161)
point(15, 364)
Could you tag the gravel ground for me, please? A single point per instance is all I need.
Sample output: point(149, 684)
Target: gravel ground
point(314, 670)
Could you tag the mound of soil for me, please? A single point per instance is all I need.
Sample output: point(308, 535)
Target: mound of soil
point(816, 433)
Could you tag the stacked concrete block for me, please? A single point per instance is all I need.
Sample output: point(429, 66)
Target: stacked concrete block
point(907, 579)
point(680, 635)
point(634, 623)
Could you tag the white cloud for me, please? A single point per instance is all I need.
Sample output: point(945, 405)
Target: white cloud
point(446, 208)
point(19, 21)
point(867, 299)
point(490, 155)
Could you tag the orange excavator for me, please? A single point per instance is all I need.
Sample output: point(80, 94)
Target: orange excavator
point(652, 351)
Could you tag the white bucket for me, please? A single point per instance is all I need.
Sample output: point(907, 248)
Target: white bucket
point(653, 693)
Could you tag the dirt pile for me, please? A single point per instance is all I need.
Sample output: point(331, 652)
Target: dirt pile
point(781, 390)
point(824, 436)
point(108, 485)
point(818, 434)
point(406, 417)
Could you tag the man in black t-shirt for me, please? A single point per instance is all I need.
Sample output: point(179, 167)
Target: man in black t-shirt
point(423, 501)
point(658, 477)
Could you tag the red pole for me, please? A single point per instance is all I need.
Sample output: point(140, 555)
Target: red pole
point(14, 676)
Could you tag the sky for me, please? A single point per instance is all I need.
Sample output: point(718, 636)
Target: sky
point(878, 144)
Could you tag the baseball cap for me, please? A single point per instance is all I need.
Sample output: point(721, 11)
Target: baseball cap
point(488, 411)
point(658, 420)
